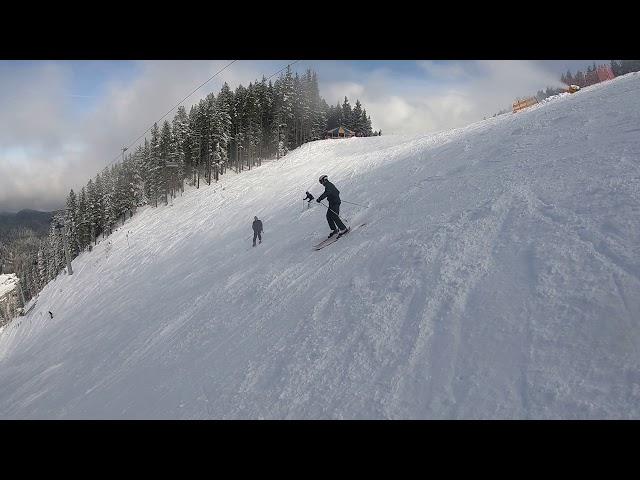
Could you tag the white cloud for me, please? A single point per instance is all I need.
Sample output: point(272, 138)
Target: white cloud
point(448, 95)
point(33, 109)
point(444, 71)
point(334, 92)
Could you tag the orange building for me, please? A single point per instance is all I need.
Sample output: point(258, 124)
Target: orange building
point(522, 104)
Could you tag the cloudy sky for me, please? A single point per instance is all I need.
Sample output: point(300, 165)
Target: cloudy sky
point(62, 121)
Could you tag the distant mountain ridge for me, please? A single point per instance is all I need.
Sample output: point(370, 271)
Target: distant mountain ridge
point(34, 220)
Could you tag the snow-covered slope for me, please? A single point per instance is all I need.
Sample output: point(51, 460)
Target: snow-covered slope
point(498, 276)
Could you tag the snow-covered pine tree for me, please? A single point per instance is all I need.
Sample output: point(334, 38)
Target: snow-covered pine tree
point(176, 172)
point(333, 120)
point(164, 147)
point(306, 107)
point(179, 128)
point(214, 142)
point(154, 164)
point(347, 118)
point(319, 110)
point(239, 112)
point(108, 202)
point(367, 124)
point(194, 140)
point(84, 222)
point(123, 192)
point(268, 120)
point(357, 123)
point(287, 110)
point(138, 177)
point(209, 132)
point(276, 133)
point(100, 188)
point(339, 116)
point(54, 252)
point(253, 127)
point(296, 140)
point(71, 221)
point(264, 105)
point(91, 210)
point(225, 108)
point(42, 265)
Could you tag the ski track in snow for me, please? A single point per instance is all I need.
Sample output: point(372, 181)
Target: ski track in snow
point(497, 276)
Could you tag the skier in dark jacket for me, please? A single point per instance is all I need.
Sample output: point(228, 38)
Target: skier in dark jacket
point(332, 194)
point(309, 197)
point(257, 230)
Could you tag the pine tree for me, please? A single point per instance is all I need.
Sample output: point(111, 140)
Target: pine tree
point(97, 206)
point(367, 124)
point(138, 177)
point(628, 66)
point(615, 68)
point(225, 115)
point(179, 128)
point(122, 200)
point(253, 129)
point(346, 114)
point(84, 227)
point(264, 99)
point(71, 222)
point(55, 249)
point(108, 203)
point(177, 161)
point(287, 110)
point(194, 143)
point(42, 266)
point(357, 122)
point(333, 117)
point(100, 191)
point(568, 78)
point(91, 210)
point(154, 165)
point(318, 117)
point(164, 152)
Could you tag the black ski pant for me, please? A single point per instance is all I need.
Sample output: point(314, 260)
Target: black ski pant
point(333, 218)
point(256, 234)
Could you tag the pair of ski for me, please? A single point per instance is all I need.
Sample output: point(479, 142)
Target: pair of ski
point(334, 239)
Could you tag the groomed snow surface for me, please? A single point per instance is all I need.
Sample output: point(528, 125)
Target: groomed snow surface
point(498, 277)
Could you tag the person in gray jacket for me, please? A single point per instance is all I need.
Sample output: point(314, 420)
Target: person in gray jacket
point(257, 230)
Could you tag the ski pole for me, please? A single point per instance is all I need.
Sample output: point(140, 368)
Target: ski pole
point(344, 201)
point(342, 219)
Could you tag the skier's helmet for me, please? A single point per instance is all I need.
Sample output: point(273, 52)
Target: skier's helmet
point(322, 178)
